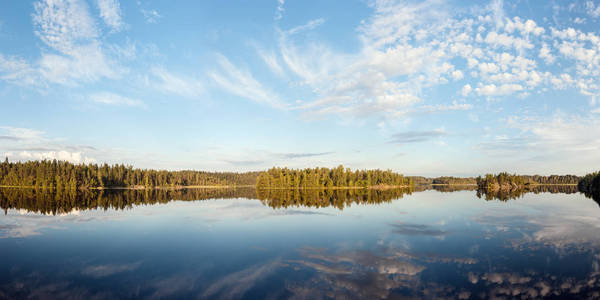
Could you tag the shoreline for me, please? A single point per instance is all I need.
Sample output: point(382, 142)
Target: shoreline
point(375, 187)
point(135, 188)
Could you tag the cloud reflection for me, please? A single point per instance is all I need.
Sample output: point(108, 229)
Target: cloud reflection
point(417, 230)
point(110, 269)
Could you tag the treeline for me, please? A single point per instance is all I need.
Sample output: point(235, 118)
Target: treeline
point(448, 180)
point(454, 180)
point(506, 181)
point(502, 181)
point(590, 185)
point(552, 179)
point(328, 178)
point(66, 175)
point(527, 179)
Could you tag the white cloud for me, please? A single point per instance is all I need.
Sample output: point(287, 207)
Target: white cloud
point(114, 99)
point(546, 55)
point(110, 11)
point(74, 157)
point(497, 8)
point(525, 28)
point(394, 22)
point(171, 83)
point(466, 90)
point(592, 9)
point(409, 47)
point(86, 63)
point(17, 71)
point(30, 144)
point(507, 41)
point(63, 24)
point(280, 9)
point(150, 15)
point(75, 55)
point(458, 75)
point(502, 90)
point(488, 68)
point(406, 48)
point(365, 82)
point(272, 61)
point(562, 82)
point(574, 134)
point(241, 83)
point(20, 134)
point(442, 107)
point(310, 25)
point(551, 138)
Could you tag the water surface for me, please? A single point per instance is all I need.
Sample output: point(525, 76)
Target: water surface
point(347, 244)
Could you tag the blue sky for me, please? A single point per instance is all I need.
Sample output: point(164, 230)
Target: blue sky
point(423, 88)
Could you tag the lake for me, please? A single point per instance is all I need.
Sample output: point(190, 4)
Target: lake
point(445, 242)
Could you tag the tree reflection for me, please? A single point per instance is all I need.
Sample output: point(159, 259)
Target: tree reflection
point(505, 195)
point(593, 195)
point(339, 198)
point(454, 188)
point(59, 201)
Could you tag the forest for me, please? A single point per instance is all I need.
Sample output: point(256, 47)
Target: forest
point(66, 175)
point(449, 180)
point(284, 178)
point(506, 181)
point(55, 174)
point(590, 185)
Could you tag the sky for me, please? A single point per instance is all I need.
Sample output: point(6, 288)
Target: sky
point(420, 87)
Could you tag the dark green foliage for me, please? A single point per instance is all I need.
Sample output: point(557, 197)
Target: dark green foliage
point(58, 201)
point(453, 188)
point(505, 195)
point(512, 181)
point(65, 175)
point(328, 178)
point(590, 185)
point(502, 181)
point(420, 180)
point(454, 180)
point(552, 179)
point(338, 198)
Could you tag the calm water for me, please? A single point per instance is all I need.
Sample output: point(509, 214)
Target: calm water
point(214, 244)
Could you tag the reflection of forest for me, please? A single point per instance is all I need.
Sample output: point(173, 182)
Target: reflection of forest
point(453, 188)
point(58, 201)
point(595, 196)
point(339, 198)
point(53, 201)
point(505, 195)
